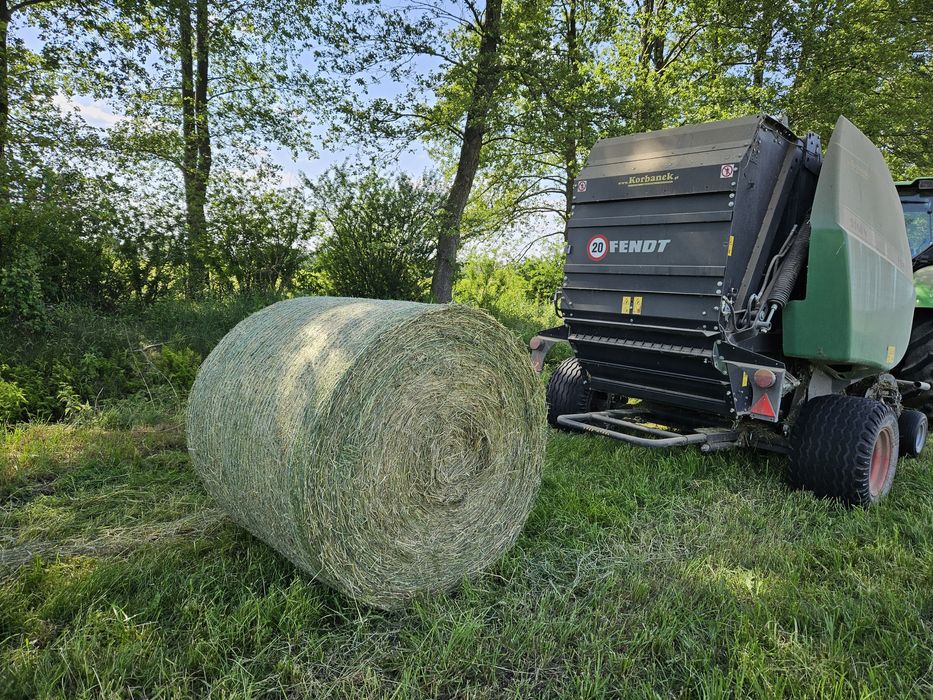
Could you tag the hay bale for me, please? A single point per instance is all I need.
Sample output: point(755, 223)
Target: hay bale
point(385, 447)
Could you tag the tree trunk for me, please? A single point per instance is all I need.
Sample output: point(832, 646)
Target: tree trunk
point(4, 102)
point(488, 72)
point(765, 36)
point(205, 158)
point(570, 143)
point(196, 159)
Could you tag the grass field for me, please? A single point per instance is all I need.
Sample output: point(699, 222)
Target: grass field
point(639, 574)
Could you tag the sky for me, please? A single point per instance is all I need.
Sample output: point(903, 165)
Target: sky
point(99, 114)
point(414, 160)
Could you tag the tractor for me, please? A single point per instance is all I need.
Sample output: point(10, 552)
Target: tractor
point(728, 285)
point(917, 364)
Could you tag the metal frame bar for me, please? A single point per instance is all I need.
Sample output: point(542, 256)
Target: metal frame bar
point(665, 438)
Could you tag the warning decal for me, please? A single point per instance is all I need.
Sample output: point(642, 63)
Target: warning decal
point(597, 248)
point(727, 170)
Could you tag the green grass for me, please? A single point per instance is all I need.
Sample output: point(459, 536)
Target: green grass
point(640, 574)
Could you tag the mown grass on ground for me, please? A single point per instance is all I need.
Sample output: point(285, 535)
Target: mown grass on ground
point(639, 574)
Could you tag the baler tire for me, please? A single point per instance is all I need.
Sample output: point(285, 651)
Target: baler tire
point(567, 391)
point(844, 447)
point(917, 365)
point(912, 426)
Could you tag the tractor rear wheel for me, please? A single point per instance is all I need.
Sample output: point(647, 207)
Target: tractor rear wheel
point(845, 447)
point(567, 391)
point(917, 365)
point(912, 426)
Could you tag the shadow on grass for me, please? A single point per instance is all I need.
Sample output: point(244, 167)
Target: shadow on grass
point(639, 573)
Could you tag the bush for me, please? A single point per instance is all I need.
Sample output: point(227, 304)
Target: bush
point(178, 367)
point(88, 359)
point(57, 247)
point(380, 235)
point(543, 273)
point(12, 399)
point(260, 235)
point(503, 291)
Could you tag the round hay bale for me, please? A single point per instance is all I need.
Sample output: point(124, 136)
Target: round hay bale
point(386, 447)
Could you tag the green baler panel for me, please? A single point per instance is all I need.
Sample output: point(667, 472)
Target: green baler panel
point(860, 295)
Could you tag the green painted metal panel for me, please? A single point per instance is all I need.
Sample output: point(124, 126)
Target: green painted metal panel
point(860, 296)
point(923, 285)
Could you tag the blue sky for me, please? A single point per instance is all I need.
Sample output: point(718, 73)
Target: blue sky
point(414, 160)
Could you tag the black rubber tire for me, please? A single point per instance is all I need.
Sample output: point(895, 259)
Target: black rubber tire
point(833, 443)
point(567, 391)
point(912, 426)
point(917, 364)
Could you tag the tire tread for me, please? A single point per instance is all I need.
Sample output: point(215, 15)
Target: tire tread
point(831, 446)
point(567, 391)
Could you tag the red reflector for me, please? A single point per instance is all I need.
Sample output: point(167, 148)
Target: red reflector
point(765, 378)
point(762, 407)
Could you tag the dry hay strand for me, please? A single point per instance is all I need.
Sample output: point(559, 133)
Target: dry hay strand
point(388, 448)
point(113, 542)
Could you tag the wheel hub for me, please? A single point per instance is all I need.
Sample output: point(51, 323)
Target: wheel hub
point(880, 461)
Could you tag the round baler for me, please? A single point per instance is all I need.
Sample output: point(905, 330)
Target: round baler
point(746, 291)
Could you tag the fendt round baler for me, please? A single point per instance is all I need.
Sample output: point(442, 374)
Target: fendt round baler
point(747, 291)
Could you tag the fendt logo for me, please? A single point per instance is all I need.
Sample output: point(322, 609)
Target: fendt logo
point(600, 246)
point(597, 248)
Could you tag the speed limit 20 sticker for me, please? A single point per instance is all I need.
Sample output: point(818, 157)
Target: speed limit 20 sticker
point(597, 248)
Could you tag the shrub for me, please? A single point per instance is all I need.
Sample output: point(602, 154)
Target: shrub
point(178, 367)
point(260, 235)
point(379, 237)
point(12, 400)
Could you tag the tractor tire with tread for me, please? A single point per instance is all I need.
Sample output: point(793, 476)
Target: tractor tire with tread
point(917, 364)
point(844, 447)
point(567, 391)
point(912, 426)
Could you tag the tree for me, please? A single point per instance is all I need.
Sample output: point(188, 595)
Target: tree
point(7, 12)
point(488, 73)
point(225, 79)
point(452, 104)
point(379, 236)
point(873, 62)
point(560, 101)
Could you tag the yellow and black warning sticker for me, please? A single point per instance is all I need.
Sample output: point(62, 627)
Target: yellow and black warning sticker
point(890, 356)
point(631, 305)
point(731, 242)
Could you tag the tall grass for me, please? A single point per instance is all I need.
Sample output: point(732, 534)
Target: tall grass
point(640, 573)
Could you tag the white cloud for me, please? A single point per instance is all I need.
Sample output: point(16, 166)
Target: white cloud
point(93, 112)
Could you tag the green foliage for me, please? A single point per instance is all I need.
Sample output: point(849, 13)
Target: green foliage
point(12, 399)
point(21, 298)
point(379, 236)
point(72, 405)
point(178, 367)
point(48, 256)
point(511, 292)
point(84, 358)
point(260, 234)
point(544, 274)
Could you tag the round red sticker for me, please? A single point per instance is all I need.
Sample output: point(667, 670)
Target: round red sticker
point(597, 248)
